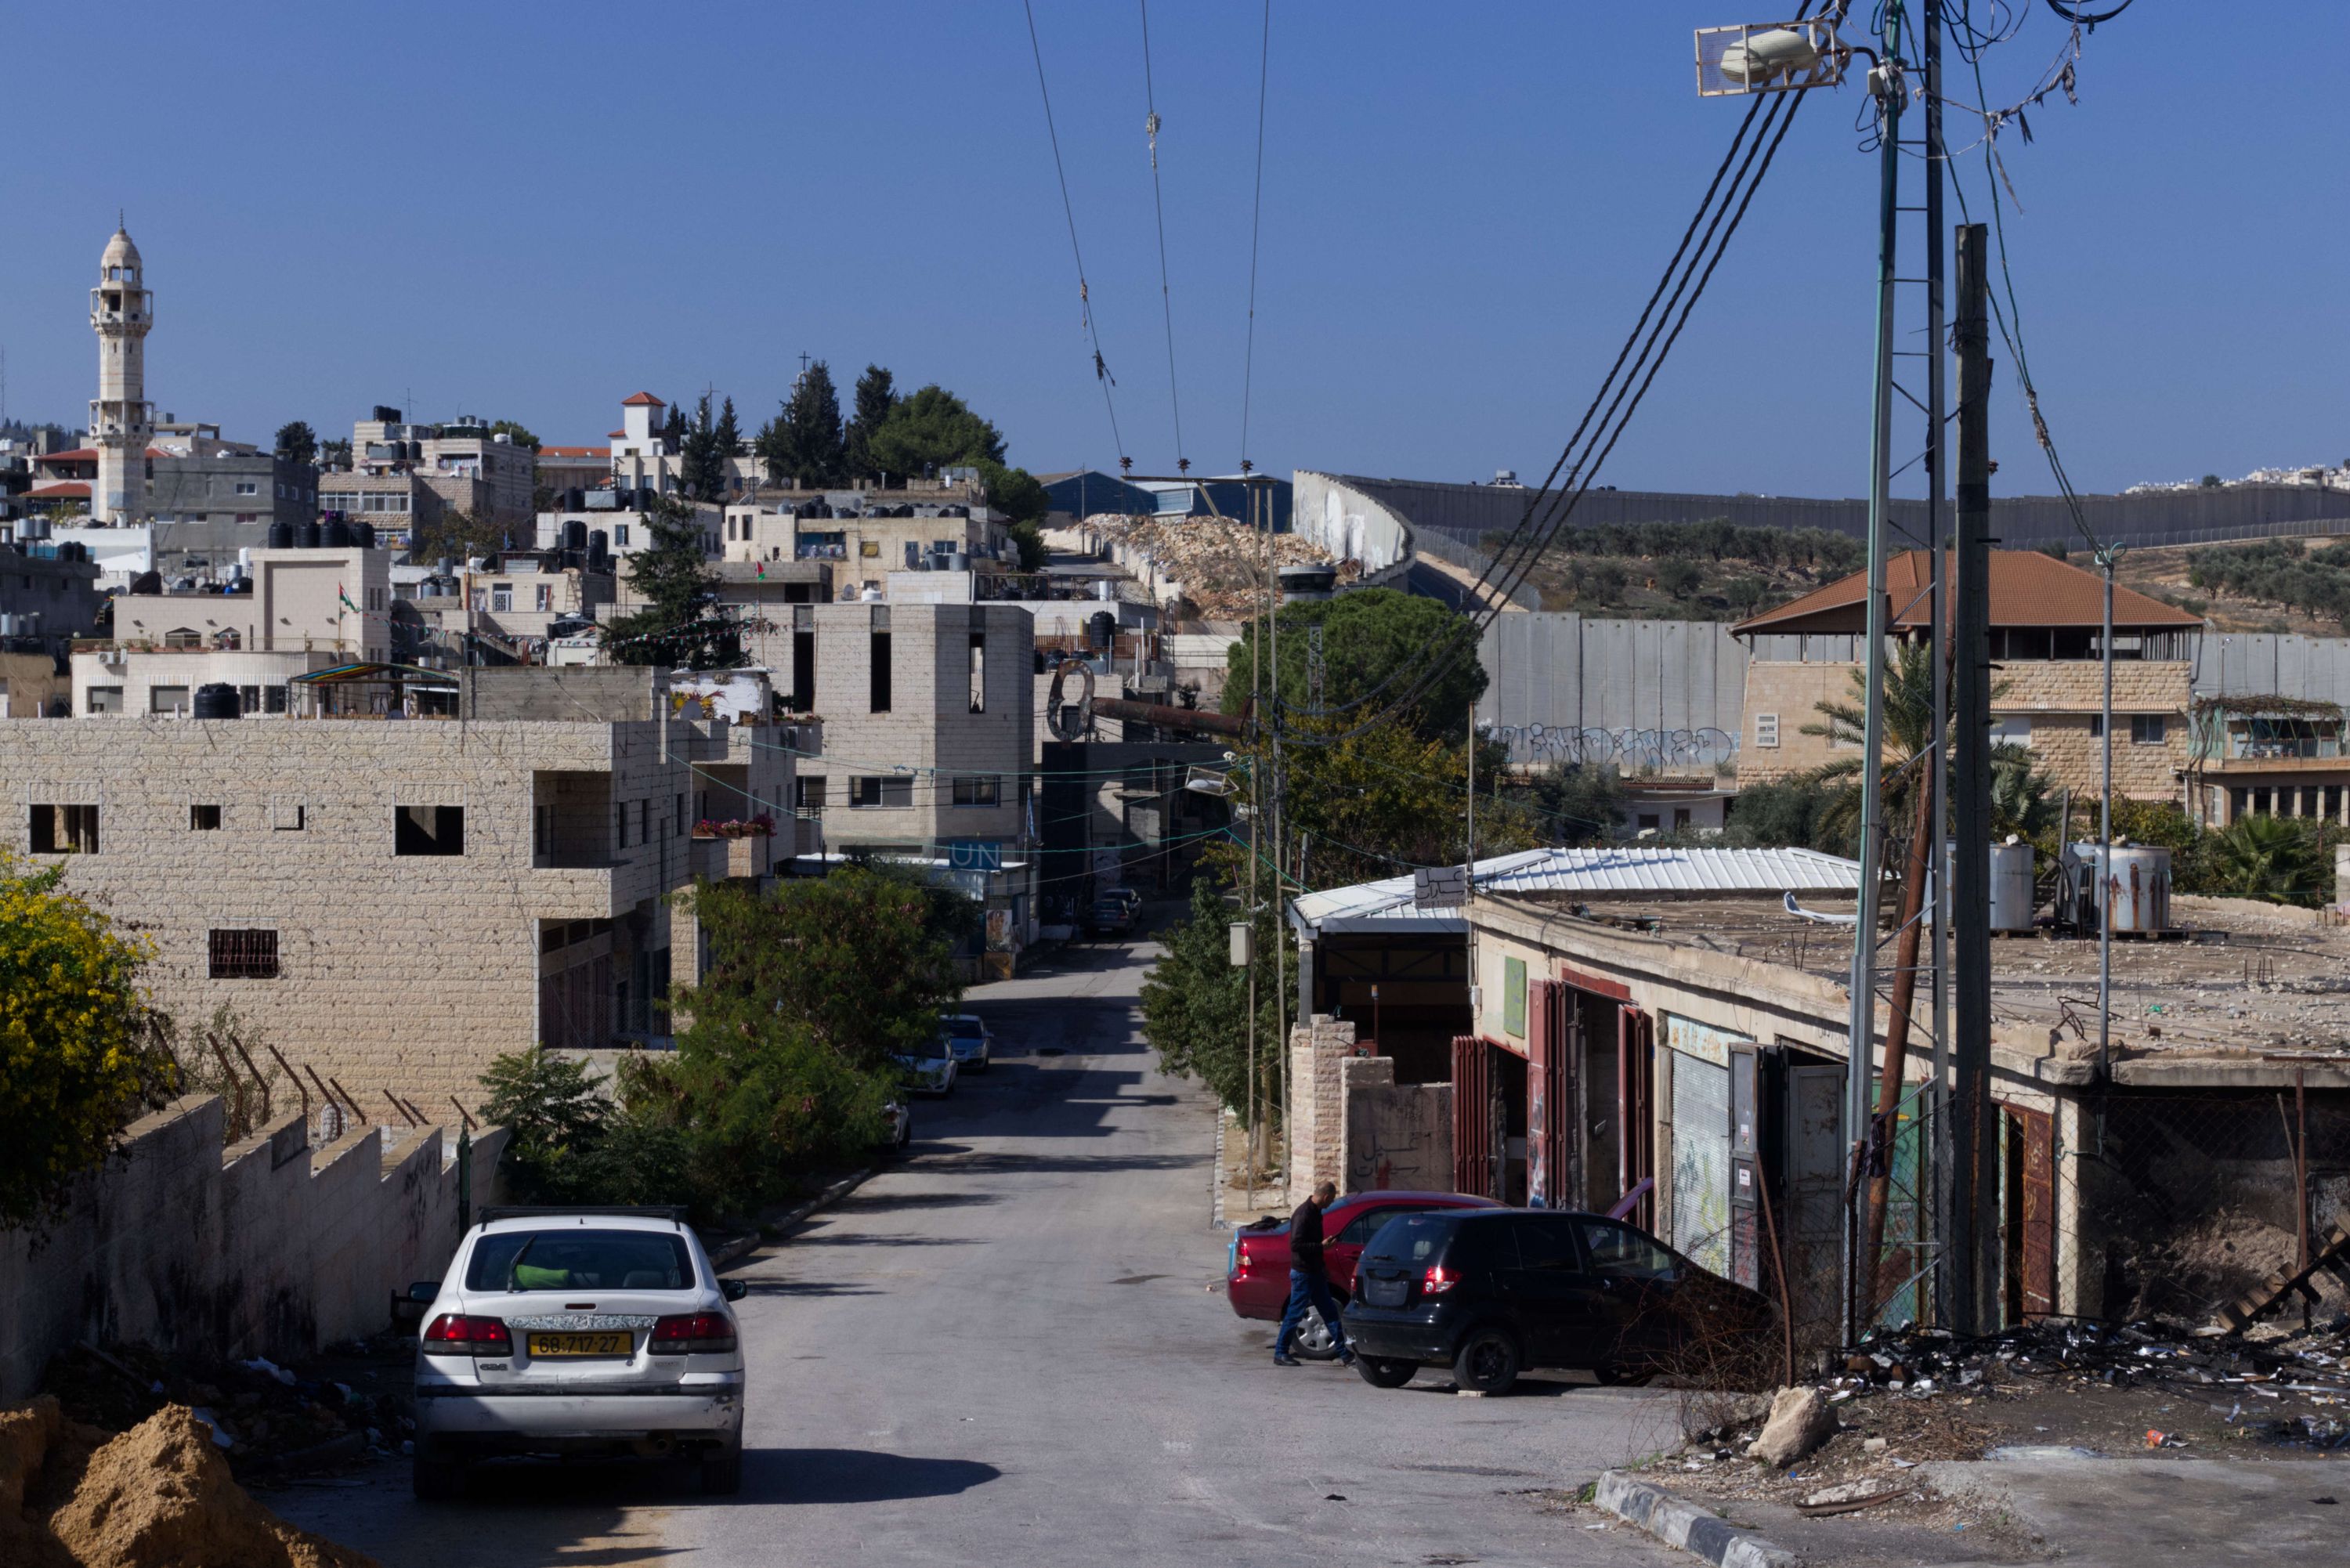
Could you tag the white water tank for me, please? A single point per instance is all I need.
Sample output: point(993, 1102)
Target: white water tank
point(2012, 900)
point(2138, 881)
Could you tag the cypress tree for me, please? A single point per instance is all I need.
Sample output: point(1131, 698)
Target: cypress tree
point(877, 394)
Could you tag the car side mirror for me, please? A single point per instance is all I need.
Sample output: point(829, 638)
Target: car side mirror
point(408, 1307)
point(733, 1290)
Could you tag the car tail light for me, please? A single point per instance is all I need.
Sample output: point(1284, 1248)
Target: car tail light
point(1241, 1262)
point(454, 1334)
point(1436, 1282)
point(692, 1333)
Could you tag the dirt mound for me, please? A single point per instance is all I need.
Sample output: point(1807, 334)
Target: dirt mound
point(159, 1496)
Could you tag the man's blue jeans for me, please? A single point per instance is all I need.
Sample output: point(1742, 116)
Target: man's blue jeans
point(1309, 1289)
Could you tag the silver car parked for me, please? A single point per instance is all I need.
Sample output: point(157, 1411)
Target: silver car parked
point(578, 1330)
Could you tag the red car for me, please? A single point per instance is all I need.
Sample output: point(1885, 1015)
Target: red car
point(1256, 1266)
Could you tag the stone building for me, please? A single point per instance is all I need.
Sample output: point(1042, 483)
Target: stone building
point(394, 903)
point(2047, 672)
point(335, 600)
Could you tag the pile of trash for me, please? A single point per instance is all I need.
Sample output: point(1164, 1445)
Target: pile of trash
point(160, 1495)
point(268, 1422)
point(1217, 565)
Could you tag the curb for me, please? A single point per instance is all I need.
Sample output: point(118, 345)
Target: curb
point(743, 1246)
point(1677, 1522)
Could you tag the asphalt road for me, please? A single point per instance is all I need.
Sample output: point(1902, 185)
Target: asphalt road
point(1014, 1346)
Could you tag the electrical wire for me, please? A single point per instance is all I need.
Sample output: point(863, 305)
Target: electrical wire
point(1166, 297)
point(1068, 211)
point(1256, 215)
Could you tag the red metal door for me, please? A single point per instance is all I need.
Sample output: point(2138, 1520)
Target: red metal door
point(1472, 1119)
point(2031, 1212)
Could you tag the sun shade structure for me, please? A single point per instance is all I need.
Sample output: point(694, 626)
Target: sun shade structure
point(1604, 871)
point(2027, 589)
point(370, 690)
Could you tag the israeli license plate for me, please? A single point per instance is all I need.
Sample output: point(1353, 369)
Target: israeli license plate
point(554, 1345)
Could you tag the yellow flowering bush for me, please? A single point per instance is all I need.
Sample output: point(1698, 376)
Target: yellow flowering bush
point(81, 1054)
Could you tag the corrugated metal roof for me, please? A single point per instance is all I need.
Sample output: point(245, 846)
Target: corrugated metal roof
point(2026, 588)
point(1599, 871)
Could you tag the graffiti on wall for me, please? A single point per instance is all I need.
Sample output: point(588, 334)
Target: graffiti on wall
point(1632, 750)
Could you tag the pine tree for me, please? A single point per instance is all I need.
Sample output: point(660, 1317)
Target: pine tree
point(296, 443)
point(727, 444)
point(702, 468)
point(674, 432)
point(680, 627)
point(877, 394)
point(802, 444)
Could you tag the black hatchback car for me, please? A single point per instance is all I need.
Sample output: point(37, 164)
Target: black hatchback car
point(1491, 1292)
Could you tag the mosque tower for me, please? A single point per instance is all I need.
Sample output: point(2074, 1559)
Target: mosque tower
point(121, 419)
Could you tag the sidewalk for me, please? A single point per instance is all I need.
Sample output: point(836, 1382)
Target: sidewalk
point(1234, 1205)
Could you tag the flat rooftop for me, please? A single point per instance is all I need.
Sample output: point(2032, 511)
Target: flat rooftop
point(2235, 979)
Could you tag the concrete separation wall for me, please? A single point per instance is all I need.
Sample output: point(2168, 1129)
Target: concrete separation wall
point(1351, 525)
point(267, 1247)
point(1638, 693)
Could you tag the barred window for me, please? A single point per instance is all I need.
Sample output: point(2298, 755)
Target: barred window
point(243, 955)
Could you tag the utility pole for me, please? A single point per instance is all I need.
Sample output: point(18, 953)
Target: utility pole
point(2106, 835)
point(1937, 1098)
point(1861, 1025)
point(1967, 1231)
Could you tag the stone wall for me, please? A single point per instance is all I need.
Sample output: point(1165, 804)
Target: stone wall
point(1319, 1051)
point(268, 1247)
point(1399, 1136)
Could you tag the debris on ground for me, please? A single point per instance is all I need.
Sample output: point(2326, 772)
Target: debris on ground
point(1905, 1399)
point(1800, 1421)
point(160, 1495)
point(1219, 565)
point(271, 1422)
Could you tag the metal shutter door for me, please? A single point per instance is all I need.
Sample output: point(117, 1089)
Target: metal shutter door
point(1701, 1161)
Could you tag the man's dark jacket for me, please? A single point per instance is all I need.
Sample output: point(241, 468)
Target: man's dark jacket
point(1306, 1237)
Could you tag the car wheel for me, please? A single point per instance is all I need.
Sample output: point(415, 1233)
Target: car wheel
point(1314, 1341)
point(1488, 1362)
point(722, 1470)
point(438, 1480)
point(1381, 1374)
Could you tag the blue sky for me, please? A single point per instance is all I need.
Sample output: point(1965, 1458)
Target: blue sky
point(531, 211)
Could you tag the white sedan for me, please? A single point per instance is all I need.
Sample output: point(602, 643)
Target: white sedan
point(580, 1330)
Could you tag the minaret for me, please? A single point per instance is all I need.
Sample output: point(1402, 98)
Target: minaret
point(120, 418)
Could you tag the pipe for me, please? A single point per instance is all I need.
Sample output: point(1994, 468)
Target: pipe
point(1168, 717)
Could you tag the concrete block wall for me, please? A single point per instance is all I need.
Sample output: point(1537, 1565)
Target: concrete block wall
point(1316, 1127)
point(267, 1247)
point(396, 973)
point(1397, 1137)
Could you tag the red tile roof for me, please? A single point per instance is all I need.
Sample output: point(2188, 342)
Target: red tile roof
point(80, 454)
point(2027, 589)
point(642, 399)
point(62, 488)
point(617, 435)
point(576, 450)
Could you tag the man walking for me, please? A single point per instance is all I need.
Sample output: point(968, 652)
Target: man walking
point(1309, 1282)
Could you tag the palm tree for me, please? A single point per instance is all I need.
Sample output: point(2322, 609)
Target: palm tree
point(2270, 859)
point(2019, 792)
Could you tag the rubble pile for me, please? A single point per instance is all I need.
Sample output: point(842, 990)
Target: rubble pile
point(268, 1422)
point(1217, 565)
point(1906, 1399)
point(160, 1495)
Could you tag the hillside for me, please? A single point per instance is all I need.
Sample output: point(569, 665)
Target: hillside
point(2271, 585)
point(1688, 571)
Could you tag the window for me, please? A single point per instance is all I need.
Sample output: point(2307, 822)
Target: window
point(1646, 822)
point(979, 672)
point(1547, 1244)
point(203, 819)
point(248, 487)
point(1766, 730)
point(502, 596)
point(620, 535)
point(287, 815)
point(872, 790)
point(545, 597)
point(1513, 996)
point(1359, 1229)
point(183, 637)
point(273, 700)
point(166, 699)
point(621, 823)
point(243, 955)
point(1620, 1253)
point(808, 793)
point(645, 820)
point(102, 699)
point(428, 830)
point(879, 694)
point(63, 829)
point(580, 1261)
point(2147, 729)
point(679, 819)
point(1680, 818)
point(986, 789)
point(2012, 732)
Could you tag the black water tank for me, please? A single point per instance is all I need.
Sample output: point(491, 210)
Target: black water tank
point(281, 536)
point(1102, 628)
point(217, 700)
point(147, 583)
point(574, 499)
point(363, 536)
point(575, 534)
point(598, 549)
point(306, 535)
point(336, 534)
